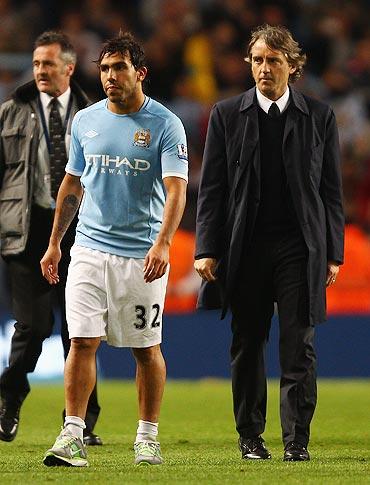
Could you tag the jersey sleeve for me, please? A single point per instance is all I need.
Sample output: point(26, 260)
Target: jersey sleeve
point(174, 157)
point(76, 160)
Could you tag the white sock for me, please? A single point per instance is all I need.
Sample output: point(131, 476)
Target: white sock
point(146, 431)
point(75, 426)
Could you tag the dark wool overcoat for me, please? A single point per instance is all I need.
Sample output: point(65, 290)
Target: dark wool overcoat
point(229, 196)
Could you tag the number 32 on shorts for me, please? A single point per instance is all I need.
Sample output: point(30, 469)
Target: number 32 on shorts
point(141, 317)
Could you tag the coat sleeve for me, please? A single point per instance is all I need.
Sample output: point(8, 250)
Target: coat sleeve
point(212, 196)
point(331, 192)
point(2, 161)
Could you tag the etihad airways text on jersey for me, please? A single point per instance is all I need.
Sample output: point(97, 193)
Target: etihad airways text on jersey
point(117, 162)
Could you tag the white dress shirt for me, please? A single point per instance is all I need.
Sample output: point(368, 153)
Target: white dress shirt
point(63, 100)
point(42, 191)
point(265, 103)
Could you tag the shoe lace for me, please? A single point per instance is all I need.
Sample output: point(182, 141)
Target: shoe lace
point(66, 440)
point(294, 444)
point(147, 448)
point(9, 412)
point(252, 444)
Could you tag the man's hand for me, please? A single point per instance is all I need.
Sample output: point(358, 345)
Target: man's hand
point(156, 262)
point(332, 272)
point(49, 264)
point(206, 267)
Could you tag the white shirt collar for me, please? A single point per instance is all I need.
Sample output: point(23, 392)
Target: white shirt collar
point(62, 99)
point(265, 103)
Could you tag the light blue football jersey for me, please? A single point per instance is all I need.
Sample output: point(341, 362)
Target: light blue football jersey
point(122, 161)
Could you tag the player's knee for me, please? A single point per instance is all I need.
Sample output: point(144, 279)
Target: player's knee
point(148, 355)
point(85, 345)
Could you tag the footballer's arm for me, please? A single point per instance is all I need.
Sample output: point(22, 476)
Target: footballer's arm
point(157, 258)
point(68, 200)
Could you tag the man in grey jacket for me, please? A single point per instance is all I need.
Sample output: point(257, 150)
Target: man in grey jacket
point(35, 132)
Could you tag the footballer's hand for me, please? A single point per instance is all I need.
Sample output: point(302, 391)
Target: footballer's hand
point(156, 262)
point(206, 268)
point(49, 264)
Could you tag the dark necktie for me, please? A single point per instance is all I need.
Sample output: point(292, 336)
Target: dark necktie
point(57, 155)
point(274, 111)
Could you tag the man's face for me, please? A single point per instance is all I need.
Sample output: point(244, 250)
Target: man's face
point(270, 70)
point(51, 73)
point(120, 80)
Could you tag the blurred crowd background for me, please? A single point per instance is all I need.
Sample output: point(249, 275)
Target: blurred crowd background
point(195, 51)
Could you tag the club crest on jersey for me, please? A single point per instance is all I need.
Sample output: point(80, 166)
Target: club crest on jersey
point(182, 152)
point(142, 138)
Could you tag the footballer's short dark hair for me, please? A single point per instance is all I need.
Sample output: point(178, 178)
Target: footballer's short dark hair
point(124, 43)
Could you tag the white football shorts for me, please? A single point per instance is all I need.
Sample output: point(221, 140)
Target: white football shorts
point(107, 297)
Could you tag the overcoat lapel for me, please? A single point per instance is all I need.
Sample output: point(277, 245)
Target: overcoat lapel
point(249, 143)
point(295, 146)
point(252, 136)
point(290, 132)
point(291, 120)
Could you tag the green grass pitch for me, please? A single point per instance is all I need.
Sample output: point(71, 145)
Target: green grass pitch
point(197, 437)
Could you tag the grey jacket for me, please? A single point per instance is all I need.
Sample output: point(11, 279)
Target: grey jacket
point(19, 135)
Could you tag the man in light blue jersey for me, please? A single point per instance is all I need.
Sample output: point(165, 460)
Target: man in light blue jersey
point(127, 171)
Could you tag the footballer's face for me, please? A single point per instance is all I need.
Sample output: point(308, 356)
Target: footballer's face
point(270, 70)
point(121, 82)
point(52, 74)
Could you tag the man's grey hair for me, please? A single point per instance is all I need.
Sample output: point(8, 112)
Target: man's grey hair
point(68, 53)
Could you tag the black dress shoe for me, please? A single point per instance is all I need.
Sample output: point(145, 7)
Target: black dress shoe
point(295, 452)
point(92, 439)
point(9, 420)
point(253, 448)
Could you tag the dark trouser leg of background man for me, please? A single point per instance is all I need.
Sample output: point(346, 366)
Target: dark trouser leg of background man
point(93, 408)
point(297, 356)
point(273, 270)
point(32, 303)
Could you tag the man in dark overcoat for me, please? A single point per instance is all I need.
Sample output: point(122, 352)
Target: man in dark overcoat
point(270, 229)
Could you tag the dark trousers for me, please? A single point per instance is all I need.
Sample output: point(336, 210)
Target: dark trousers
point(32, 302)
point(273, 270)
